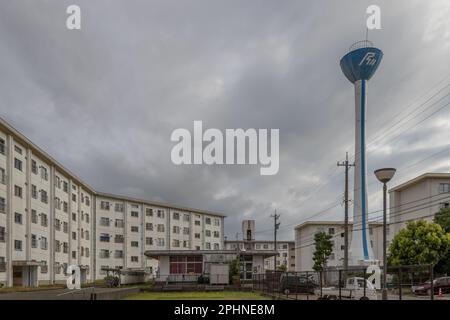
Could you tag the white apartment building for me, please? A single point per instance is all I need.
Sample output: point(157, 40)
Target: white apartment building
point(49, 219)
point(304, 242)
point(418, 198)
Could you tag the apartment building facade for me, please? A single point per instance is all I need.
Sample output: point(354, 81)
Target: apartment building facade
point(304, 242)
point(418, 198)
point(50, 219)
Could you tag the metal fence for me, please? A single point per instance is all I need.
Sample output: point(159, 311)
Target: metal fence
point(416, 282)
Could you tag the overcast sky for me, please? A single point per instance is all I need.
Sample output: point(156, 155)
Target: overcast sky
point(105, 99)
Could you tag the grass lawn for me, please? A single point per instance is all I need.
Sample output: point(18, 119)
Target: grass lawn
point(223, 295)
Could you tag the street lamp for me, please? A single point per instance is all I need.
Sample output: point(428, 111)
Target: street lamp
point(384, 176)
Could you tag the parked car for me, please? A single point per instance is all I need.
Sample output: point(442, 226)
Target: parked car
point(290, 283)
point(442, 283)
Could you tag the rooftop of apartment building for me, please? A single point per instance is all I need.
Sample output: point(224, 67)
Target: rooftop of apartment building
point(428, 175)
point(44, 156)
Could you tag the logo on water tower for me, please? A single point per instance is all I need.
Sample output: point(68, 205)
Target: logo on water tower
point(370, 59)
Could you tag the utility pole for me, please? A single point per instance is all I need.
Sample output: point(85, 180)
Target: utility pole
point(347, 165)
point(276, 226)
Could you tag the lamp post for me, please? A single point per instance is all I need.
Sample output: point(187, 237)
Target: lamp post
point(384, 176)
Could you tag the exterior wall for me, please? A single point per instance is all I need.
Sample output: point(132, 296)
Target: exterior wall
point(420, 200)
point(304, 243)
point(49, 219)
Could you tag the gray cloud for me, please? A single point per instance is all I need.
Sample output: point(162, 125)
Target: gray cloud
point(104, 100)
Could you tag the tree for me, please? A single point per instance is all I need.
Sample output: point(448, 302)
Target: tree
point(443, 219)
point(323, 249)
point(234, 270)
point(421, 242)
point(282, 267)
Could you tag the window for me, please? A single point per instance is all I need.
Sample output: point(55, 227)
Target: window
point(104, 205)
point(86, 235)
point(118, 254)
point(160, 214)
point(119, 207)
point(18, 191)
point(161, 242)
point(134, 214)
point(88, 203)
point(34, 216)
point(74, 235)
point(44, 197)
point(160, 228)
point(2, 234)
point(57, 203)
point(65, 186)
point(207, 220)
point(216, 246)
point(208, 245)
point(134, 229)
point(2, 146)
point(65, 227)
point(44, 244)
point(34, 168)
point(44, 220)
point(17, 245)
point(44, 173)
point(208, 233)
point(186, 264)
point(176, 243)
point(44, 267)
point(216, 234)
point(2, 176)
point(65, 247)
point(57, 182)
point(149, 241)
point(197, 236)
point(444, 205)
point(217, 222)
point(104, 222)
point(197, 222)
point(176, 229)
point(119, 223)
point(57, 224)
point(18, 164)
point(331, 256)
point(104, 237)
point(104, 254)
point(74, 197)
point(57, 246)
point(185, 230)
point(2, 205)
point(330, 230)
point(17, 149)
point(86, 216)
point(134, 259)
point(186, 217)
point(74, 254)
point(185, 244)
point(17, 218)
point(134, 244)
point(34, 191)
point(149, 212)
point(444, 187)
point(86, 252)
point(149, 226)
